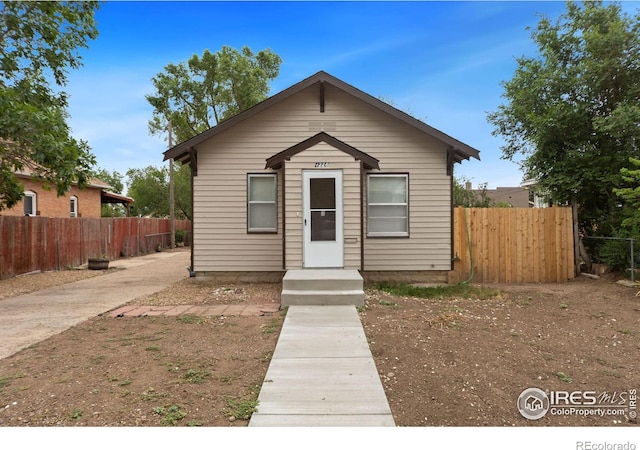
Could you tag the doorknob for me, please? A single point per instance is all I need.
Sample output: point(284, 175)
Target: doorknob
point(305, 222)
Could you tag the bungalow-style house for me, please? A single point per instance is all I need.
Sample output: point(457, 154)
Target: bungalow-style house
point(87, 202)
point(322, 176)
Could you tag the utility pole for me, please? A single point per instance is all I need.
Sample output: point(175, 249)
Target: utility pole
point(171, 200)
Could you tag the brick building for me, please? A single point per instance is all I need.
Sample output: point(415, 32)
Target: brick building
point(77, 202)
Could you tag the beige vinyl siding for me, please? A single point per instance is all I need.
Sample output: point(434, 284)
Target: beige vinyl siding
point(337, 160)
point(219, 223)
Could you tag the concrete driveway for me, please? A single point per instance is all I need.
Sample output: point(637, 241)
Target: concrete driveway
point(28, 319)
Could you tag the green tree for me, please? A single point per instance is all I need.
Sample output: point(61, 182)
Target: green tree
point(39, 42)
point(182, 190)
point(470, 198)
point(198, 94)
point(113, 179)
point(572, 110)
point(149, 188)
point(630, 193)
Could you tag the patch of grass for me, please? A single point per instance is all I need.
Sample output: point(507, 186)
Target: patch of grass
point(151, 394)
point(227, 379)
point(76, 414)
point(271, 326)
point(189, 318)
point(97, 359)
point(153, 348)
point(612, 373)
point(124, 382)
point(389, 304)
point(171, 415)
point(196, 376)
point(6, 381)
point(523, 301)
point(194, 423)
point(564, 306)
point(564, 377)
point(611, 365)
point(440, 292)
point(241, 409)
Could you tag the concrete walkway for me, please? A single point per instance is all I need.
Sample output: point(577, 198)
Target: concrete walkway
point(322, 373)
point(31, 318)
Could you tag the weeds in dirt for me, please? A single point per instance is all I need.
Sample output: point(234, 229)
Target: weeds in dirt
point(392, 305)
point(241, 409)
point(440, 292)
point(564, 377)
point(152, 394)
point(171, 415)
point(6, 381)
point(76, 414)
point(196, 376)
point(153, 348)
point(194, 423)
point(190, 318)
point(271, 326)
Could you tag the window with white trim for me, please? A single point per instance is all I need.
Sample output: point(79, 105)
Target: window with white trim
point(73, 203)
point(30, 203)
point(262, 208)
point(388, 205)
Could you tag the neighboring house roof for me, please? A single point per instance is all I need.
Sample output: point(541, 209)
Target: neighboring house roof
point(183, 152)
point(93, 182)
point(110, 197)
point(517, 197)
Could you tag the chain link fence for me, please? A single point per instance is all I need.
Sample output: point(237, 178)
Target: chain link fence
point(619, 251)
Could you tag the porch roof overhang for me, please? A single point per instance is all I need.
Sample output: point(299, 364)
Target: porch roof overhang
point(110, 197)
point(277, 160)
point(184, 151)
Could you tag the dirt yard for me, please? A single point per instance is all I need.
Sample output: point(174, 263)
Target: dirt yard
point(443, 362)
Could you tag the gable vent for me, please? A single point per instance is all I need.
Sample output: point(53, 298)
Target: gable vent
point(322, 125)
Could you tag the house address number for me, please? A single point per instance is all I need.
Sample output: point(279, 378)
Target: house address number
point(322, 164)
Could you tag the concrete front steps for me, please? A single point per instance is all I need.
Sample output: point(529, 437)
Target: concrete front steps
point(322, 287)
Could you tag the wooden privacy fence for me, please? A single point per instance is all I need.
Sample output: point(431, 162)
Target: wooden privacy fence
point(46, 243)
point(513, 245)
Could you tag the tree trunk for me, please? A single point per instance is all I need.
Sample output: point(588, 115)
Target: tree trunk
point(585, 256)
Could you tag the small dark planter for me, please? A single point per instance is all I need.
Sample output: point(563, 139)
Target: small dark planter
point(98, 264)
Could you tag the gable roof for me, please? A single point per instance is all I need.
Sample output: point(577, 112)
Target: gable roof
point(457, 149)
point(275, 162)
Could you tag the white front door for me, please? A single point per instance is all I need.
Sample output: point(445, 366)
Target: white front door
point(323, 233)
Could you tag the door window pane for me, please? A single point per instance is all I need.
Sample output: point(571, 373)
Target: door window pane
point(322, 193)
point(323, 225)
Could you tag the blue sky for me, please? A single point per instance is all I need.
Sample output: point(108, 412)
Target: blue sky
point(441, 62)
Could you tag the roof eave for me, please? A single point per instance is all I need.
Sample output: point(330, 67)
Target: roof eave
point(181, 151)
